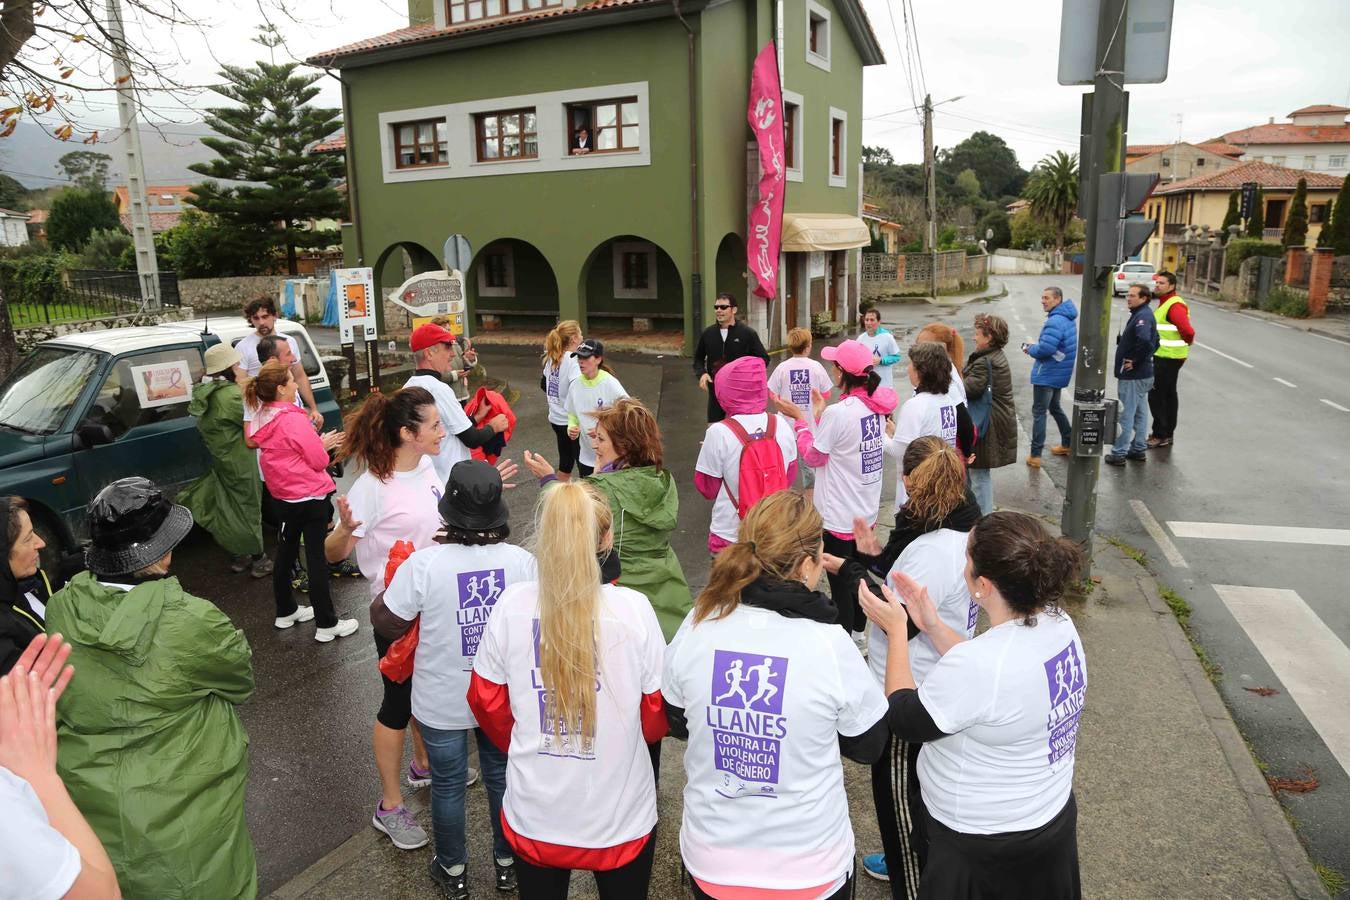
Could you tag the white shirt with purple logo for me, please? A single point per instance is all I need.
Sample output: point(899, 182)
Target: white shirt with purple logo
point(920, 415)
point(455, 589)
point(937, 561)
point(849, 484)
point(766, 698)
point(557, 380)
point(793, 379)
point(1009, 701)
point(720, 457)
point(403, 508)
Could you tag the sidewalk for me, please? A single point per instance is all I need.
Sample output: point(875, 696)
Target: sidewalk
point(995, 289)
point(1170, 802)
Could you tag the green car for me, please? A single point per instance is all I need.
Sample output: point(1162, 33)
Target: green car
point(83, 410)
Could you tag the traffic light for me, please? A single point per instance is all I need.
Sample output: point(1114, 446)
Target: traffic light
point(1121, 229)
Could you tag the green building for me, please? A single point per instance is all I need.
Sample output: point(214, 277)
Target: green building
point(467, 122)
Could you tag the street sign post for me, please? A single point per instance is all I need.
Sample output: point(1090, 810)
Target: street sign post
point(356, 304)
point(1146, 31)
point(1249, 189)
point(457, 253)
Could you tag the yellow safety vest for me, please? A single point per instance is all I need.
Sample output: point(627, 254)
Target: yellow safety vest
point(1170, 344)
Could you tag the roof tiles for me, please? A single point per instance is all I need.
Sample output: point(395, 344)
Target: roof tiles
point(1264, 174)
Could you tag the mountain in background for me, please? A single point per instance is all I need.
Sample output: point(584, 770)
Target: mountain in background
point(30, 154)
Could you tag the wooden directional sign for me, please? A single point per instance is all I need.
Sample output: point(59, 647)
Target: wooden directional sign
point(434, 294)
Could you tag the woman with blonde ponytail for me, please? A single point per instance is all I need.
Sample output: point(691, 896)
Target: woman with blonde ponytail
point(560, 369)
point(769, 694)
point(567, 681)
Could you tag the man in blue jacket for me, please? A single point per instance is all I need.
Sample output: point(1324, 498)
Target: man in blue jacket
point(1134, 373)
point(1054, 352)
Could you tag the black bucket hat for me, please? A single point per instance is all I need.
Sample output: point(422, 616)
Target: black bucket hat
point(473, 497)
point(132, 525)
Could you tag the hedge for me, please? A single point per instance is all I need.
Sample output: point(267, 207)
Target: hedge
point(1239, 249)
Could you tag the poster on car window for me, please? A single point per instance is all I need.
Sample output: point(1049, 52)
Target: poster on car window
point(356, 304)
point(162, 383)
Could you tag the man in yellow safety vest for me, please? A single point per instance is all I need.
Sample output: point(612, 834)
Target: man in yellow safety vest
point(1175, 336)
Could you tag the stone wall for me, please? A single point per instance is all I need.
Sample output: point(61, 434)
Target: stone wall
point(1022, 262)
point(27, 338)
point(220, 294)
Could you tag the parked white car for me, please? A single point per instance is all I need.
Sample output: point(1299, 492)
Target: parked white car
point(1128, 273)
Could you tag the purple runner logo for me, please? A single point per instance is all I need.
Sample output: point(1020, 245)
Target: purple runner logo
point(947, 415)
point(747, 721)
point(478, 593)
point(1066, 680)
point(568, 742)
point(972, 618)
point(799, 387)
point(553, 380)
point(870, 451)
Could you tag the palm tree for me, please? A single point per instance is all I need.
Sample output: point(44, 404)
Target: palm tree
point(1053, 192)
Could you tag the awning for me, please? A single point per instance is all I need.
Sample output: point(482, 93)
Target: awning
point(806, 232)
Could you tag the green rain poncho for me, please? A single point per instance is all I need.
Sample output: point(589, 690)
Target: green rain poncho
point(149, 742)
point(227, 500)
point(645, 506)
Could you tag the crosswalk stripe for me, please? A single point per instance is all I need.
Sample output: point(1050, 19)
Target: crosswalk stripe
point(1333, 405)
point(1159, 536)
point(1310, 661)
point(1278, 534)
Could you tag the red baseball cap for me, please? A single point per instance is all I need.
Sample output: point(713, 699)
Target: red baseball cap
point(851, 356)
point(429, 335)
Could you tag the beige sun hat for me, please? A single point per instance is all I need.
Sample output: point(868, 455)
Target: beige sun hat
point(221, 358)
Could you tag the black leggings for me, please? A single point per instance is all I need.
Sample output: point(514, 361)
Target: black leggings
point(900, 816)
point(844, 594)
point(396, 705)
point(568, 448)
point(309, 518)
point(845, 891)
point(628, 882)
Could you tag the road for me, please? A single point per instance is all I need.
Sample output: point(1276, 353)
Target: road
point(1250, 518)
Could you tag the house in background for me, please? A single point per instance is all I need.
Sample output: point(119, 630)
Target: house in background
point(888, 236)
point(1317, 139)
point(37, 224)
point(1173, 162)
point(1203, 200)
point(166, 203)
point(13, 228)
point(467, 122)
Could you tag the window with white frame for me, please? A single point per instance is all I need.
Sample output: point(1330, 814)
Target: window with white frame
point(613, 125)
point(497, 271)
point(634, 270)
point(1336, 162)
point(792, 134)
point(459, 11)
point(838, 148)
point(420, 143)
point(1277, 160)
point(817, 35)
point(1310, 162)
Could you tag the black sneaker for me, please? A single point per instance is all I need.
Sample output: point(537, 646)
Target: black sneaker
point(1137, 455)
point(344, 569)
point(1113, 460)
point(506, 876)
point(455, 887)
point(300, 582)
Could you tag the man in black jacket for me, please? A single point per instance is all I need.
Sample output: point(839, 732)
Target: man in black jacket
point(1135, 346)
point(719, 344)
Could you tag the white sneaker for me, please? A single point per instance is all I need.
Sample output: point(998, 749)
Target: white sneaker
point(343, 628)
point(471, 776)
point(301, 614)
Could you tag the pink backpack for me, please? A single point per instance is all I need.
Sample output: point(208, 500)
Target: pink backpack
point(762, 468)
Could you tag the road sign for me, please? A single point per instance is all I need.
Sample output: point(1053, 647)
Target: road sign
point(356, 301)
point(434, 294)
point(457, 253)
point(1148, 33)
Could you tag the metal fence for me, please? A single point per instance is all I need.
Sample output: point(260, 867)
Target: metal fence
point(79, 295)
point(115, 285)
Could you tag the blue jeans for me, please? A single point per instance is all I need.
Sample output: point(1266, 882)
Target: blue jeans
point(982, 486)
point(1133, 415)
point(448, 753)
point(1045, 399)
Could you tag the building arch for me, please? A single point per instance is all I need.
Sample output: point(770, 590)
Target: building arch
point(511, 282)
point(631, 279)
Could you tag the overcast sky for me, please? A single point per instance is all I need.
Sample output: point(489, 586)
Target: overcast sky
point(1234, 63)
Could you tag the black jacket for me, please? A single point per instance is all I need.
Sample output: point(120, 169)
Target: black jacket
point(1136, 342)
point(712, 352)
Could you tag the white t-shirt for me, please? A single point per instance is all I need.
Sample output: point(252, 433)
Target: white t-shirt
point(404, 508)
point(453, 417)
point(584, 397)
point(849, 484)
point(454, 588)
point(590, 795)
point(720, 457)
point(937, 561)
point(766, 698)
point(1010, 702)
point(557, 380)
point(248, 350)
point(36, 861)
point(882, 344)
point(956, 392)
point(920, 415)
point(794, 378)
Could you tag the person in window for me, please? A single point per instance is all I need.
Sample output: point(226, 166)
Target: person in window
point(581, 141)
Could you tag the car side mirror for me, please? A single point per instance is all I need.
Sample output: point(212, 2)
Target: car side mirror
point(91, 434)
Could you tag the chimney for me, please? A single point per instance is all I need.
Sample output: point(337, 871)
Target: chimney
point(1271, 121)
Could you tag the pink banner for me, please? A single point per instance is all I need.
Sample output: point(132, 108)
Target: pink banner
point(764, 232)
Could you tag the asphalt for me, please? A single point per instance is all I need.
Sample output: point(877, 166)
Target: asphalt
point(1167, 806)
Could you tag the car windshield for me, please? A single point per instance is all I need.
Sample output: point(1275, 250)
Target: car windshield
point(38, 396)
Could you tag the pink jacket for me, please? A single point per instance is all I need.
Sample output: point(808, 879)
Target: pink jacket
point(294, 463)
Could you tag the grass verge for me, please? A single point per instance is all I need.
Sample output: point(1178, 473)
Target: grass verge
point(1332, 880)
point(1182, 610)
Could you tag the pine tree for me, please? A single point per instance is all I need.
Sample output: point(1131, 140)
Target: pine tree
point(262, 143)
point(1296, 223)
point(1231, 217)
point(1324, 237)
point(1256, 225)
point(1339, 222)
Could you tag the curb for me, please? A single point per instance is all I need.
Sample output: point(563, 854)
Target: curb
point(1329, 335)
point(1269, 815)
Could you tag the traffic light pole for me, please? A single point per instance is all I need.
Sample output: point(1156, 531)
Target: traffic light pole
point(1106, 154)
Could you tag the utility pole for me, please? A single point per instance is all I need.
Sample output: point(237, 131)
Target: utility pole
point(1106, 153)
point(143, 241)
point(930, 177)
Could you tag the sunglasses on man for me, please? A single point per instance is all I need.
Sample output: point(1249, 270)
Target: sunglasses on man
point(721, 306)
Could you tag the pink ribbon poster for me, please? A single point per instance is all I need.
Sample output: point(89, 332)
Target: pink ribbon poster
point(764, 231)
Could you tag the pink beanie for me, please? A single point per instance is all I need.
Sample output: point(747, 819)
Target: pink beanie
point(742, 386)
